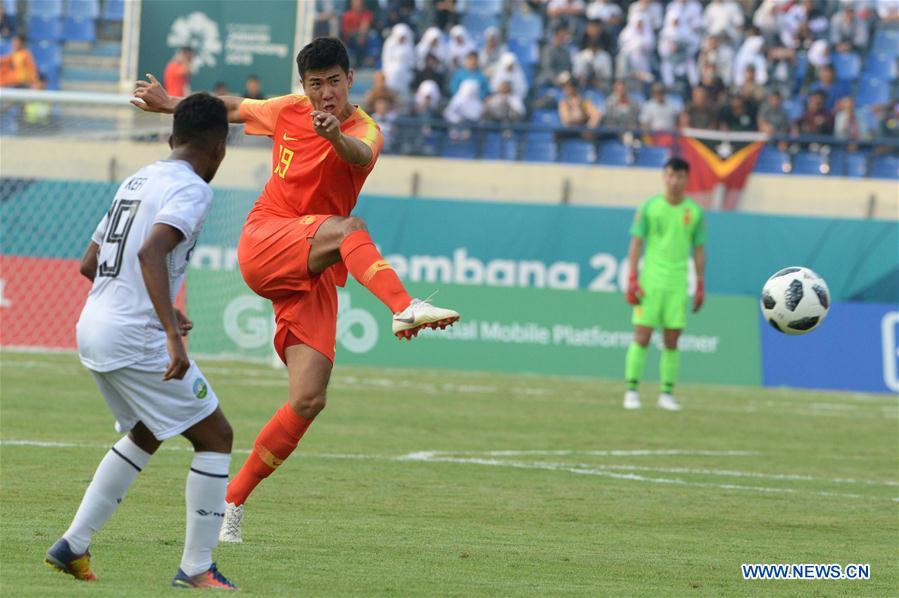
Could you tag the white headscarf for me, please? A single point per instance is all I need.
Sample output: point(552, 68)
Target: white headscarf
point(427, 97)
point(398, 58)
point(508, 69)
point(466, 104)
point(819, 54)
point(431, 43)
point(637, 42)
point(459, 46)
point(751, 54)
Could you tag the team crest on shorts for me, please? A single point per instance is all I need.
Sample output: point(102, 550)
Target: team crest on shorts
point(200, 388)
point(307, 219)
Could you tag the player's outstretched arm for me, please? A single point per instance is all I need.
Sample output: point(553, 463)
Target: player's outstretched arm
point(351, 149)
point(152, 255)
point(151, 96)
point(89, 261)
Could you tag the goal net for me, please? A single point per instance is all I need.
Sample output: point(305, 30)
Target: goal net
point(62, 157)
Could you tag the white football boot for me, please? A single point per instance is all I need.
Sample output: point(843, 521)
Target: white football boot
point(421, 314)
point(666, 401)
point(632, 400)
point(231, 524)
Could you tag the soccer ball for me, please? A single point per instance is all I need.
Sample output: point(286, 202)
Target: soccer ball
point(795, 300)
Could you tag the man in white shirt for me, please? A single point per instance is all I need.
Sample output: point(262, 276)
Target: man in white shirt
point(130, 338)
point(658, 114)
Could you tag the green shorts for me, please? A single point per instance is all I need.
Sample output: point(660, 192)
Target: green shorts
point(662, 308)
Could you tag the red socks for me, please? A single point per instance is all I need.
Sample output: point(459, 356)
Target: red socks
point(369, 267)
point(274, 444)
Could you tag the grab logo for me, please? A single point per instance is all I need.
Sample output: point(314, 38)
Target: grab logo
point(357, 329)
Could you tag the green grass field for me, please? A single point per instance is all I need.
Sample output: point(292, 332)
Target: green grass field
point(435, 483)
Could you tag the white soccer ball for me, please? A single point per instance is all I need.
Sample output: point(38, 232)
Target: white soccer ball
point(795, 300)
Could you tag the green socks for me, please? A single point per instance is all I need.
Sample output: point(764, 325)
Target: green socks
point(634, 364)
point(669, 368)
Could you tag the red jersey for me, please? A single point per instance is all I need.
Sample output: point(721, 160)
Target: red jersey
point(308, 177)
point(176, 79)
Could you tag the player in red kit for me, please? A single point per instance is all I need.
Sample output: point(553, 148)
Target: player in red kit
point(300, 242)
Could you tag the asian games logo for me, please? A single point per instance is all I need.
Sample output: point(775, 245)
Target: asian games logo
point(199, 32)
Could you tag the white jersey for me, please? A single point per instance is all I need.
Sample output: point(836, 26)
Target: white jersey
point(118, 326)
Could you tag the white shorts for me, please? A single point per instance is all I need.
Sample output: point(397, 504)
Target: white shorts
point(137, 393)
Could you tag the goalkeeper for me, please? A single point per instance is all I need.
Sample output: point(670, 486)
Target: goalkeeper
point(668, 227)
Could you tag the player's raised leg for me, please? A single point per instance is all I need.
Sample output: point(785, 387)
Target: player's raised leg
point(347, 240)
point(309, 372)
point(634, 364)
point(205, 499)
point(115, 474)
point(669, 368)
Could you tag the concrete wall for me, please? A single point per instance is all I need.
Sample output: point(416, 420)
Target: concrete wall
point(249, 167)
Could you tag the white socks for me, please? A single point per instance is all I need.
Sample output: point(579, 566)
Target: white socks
point(113, 477)
point(205, 497)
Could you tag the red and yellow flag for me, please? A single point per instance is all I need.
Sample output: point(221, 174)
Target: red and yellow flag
point(708, 171)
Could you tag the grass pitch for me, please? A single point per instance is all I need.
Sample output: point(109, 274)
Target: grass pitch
point(419, 483)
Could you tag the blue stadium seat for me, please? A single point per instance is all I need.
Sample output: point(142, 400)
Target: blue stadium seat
point(885, 167)
point(528, 26)
point(771, 161)
point(615, 153)
point(881, 65)
point(539, 150)
point(652, 157)
point(846, 65)
point(886, 41)
point(596, 97)
point(44, 28)
point(114, 10)
point(794, 107)
point(854, 165)
point(499, 147)
point(89, 9)
point(546, 116)
point(461, 148)
point(485, 7)
point(47, 55)
point(45, 8)
point(10, 7)
point(807, 163)
point(5, 46)
point(527, 51)
point(578, 151)
point(477, 24)
point(872, 91)
point(53, 76)
point(79, 29)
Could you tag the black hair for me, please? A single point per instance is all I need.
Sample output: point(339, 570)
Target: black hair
point(187, 49)
point(321, 54)
point(200, 119)
point(677, 164)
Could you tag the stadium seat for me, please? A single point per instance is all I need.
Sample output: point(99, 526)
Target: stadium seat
point(114, 10)
point(596, 97)
point(546, 116)
point(79, 29)
point(615, 153)
point(793, 107)
point(10, 7)
point(5, 46)
point(88, 9)
point(47, 55)
point(431, 142)
point(485, 7)
point(885, 167)
point(477, 24)
point(53, 76)
point(854, 165)
point(886, 41)
point(45, 8)
point(539, 150)
point(44, 28)
point(526, 50)
point(499, 147)
point(652, 157)
point(807, 163)
point(578, 151)
point(466, 149)
point(771, 161)
point(872, 91)
point(881, 65)
point(525, 26)
point(846, 65)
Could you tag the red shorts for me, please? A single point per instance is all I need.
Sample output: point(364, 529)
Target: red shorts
point(273, 254)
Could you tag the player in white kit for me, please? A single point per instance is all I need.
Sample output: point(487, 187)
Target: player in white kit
point(129, 337)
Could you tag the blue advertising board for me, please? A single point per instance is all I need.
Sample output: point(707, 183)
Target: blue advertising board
point(856, 348)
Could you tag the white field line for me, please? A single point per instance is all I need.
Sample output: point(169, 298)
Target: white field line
point(606, 470)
